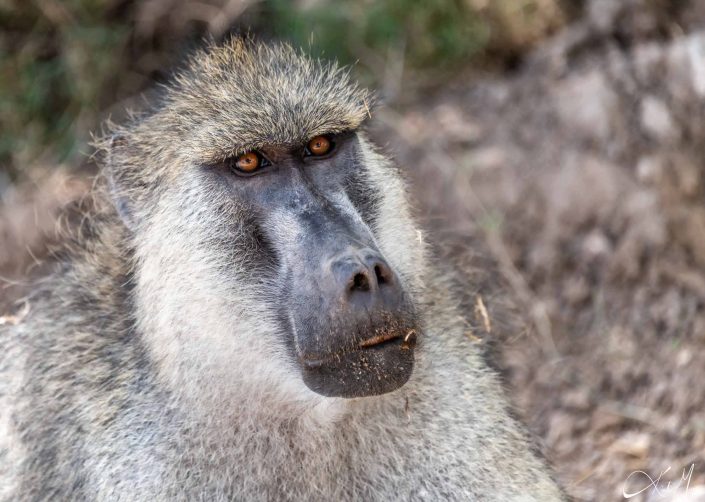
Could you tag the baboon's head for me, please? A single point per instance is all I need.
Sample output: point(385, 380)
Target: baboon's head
point(269, 234)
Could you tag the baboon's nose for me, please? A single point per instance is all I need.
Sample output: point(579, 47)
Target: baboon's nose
point(364, 278)
point(358, 332)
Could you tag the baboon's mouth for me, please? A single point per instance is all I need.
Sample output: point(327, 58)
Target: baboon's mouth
point(375, 365)
point(377, 340)
point(406, 341)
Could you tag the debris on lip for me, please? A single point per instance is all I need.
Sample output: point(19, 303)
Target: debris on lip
point(377, 339)
point(409, 340)
point(15, 319)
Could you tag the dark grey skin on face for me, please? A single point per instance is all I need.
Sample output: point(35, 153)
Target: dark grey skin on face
point(351, 327)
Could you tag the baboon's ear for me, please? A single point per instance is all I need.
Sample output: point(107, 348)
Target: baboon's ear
point(115, 174)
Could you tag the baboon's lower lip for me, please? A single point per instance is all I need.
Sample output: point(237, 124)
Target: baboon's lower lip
point(406, 341)
point(376, 365)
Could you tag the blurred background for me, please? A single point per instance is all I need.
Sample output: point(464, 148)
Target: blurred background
point(556, 150)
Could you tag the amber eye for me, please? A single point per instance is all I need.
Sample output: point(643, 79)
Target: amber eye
point(248, 162)
point(320, 145)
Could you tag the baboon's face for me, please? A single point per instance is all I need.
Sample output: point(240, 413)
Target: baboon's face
point(308, 213)
point(271, 235)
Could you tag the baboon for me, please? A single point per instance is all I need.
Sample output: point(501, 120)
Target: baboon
point(248, 312)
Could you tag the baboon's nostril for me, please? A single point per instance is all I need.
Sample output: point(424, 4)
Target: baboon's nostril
point(360, 282)
point(381, 274)
point(363, 272)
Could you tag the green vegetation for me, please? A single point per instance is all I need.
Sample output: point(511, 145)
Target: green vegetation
point(428, 33)
point(54, 63)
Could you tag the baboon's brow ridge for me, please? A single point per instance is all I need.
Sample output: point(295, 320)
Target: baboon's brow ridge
point(240, 96)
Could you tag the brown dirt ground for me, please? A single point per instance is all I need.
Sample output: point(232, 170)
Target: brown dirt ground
point(574, 190)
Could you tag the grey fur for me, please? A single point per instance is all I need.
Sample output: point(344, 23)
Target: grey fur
point(148, 368)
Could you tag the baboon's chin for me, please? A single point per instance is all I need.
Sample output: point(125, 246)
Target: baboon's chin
point(379, 364)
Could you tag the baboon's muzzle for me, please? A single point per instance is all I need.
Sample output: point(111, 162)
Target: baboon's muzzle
point(354, 327)
point(359, 334)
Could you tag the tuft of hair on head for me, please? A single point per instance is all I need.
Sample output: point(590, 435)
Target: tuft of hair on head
point(240, 95)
